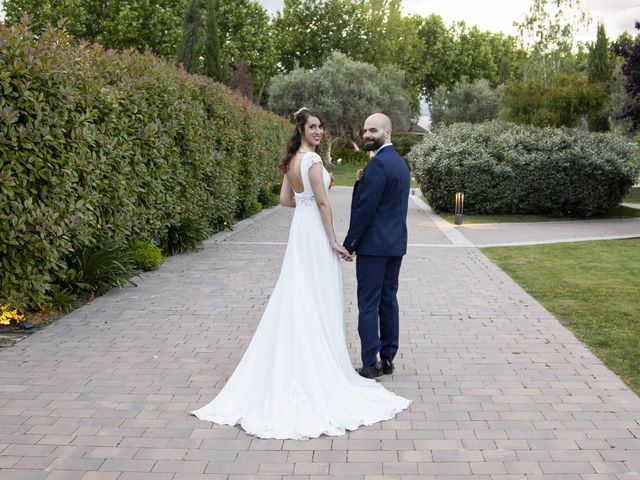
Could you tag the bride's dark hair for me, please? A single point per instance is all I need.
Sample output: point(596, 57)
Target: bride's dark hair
point(301, 117)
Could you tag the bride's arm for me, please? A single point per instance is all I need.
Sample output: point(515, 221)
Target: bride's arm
point(287, 197)
point(322, 201)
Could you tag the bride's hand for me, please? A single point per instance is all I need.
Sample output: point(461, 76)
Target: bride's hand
point(343, 252)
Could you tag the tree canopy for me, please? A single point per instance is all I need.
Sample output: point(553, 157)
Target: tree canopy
point(472, 102)
point(117, 24)
point(346, 92)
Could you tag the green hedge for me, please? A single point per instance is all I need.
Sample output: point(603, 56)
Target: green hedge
point(98, 143)
point(403, 142)
point(518, 169)
point(348, 155)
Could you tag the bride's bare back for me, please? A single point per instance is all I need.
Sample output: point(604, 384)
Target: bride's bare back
point(294, 173)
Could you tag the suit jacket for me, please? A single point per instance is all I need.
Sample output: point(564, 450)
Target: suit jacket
point(378, 224)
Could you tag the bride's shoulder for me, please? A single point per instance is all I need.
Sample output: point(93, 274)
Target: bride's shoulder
point(311, 158)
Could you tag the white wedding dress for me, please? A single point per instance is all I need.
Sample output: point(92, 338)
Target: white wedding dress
point(296, 380)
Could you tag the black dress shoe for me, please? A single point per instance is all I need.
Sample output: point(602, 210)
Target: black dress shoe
point(372, 371)
point(387, 366)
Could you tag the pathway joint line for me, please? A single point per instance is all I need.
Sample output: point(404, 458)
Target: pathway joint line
point(561, 240)
point(454, 236)
point(284, 244)
point(240, 226)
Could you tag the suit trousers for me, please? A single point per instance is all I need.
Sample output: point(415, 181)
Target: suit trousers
point(378, 313)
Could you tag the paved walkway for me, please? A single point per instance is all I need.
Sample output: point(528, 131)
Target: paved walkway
point(535, 233)
point(500, 389)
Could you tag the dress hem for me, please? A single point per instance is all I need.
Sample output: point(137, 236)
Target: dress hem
point(333, 431)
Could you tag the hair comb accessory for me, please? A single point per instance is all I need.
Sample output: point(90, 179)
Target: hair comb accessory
point(300, 111)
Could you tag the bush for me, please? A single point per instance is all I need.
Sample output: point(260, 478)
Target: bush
point(517, 169)
point(146, 256)
point(185, 235)
point(403, 142)
point(100, 267)
point(349, 155)
point(97, 143)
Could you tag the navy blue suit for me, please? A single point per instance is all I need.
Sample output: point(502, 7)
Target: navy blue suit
point(378, 235)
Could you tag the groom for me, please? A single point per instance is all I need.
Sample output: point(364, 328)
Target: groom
point(378, 236)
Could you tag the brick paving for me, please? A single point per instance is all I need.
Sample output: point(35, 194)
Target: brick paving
point(500, 390)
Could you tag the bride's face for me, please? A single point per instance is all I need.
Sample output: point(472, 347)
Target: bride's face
point(313, 131)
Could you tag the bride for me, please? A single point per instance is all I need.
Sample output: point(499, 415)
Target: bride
point(296, 381)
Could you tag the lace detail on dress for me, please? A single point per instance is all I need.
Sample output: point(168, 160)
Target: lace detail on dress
point(309, 159)
point(305, 200)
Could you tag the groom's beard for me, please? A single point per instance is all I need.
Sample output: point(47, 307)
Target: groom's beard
point(375, 144)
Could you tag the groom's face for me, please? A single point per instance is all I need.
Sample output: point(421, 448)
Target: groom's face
point(373, 135)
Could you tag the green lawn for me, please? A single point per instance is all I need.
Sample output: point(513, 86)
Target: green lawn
point(592, 288)
point(633, 196)
point(344, 175)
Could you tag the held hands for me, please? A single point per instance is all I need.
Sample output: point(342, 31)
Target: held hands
point(343, 252)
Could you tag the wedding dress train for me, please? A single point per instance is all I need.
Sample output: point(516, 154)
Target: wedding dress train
point(296, 380)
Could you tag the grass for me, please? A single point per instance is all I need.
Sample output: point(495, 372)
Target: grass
point(345, 174)
point(633, 196)
point(592, 288)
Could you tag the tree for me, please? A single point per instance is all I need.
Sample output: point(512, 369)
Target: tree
point(189, 48)
point(346, 92)
point(244, 34)
point(444, 55)
point(117, 24)
point(307, 31)
point(600, 66)
point(472, 102)
point(240, 79)
point(599, 72)
point(547, 32)
point(248, 36)
point(212, 63)
point(617, 101)
point(630, 51)
point(563, 100)
point(434, 57)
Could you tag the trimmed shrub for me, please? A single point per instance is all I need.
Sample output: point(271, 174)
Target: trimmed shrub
point(97, 143)
point(518, 169)
point(349, 155)
point(403, 142)
point(146, 256)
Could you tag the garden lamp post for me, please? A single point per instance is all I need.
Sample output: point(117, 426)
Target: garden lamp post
point(459, 208)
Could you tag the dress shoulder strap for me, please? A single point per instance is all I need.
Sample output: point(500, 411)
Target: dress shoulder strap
point(310, 158)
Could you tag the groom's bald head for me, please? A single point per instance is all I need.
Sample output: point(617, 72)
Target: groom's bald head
point(381, 119)
point(376, 131)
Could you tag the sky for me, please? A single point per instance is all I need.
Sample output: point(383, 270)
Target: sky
point(499, 15)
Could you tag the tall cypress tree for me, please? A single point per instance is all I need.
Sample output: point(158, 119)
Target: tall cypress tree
point(600, 58)
point(189, 48)
point(599, 71)
point(212, 62)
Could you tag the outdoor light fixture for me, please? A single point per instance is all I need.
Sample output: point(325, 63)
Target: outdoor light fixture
point(459, 208)
point(413, 189)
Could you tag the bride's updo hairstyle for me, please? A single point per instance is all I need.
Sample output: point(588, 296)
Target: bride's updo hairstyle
point(301, 117)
